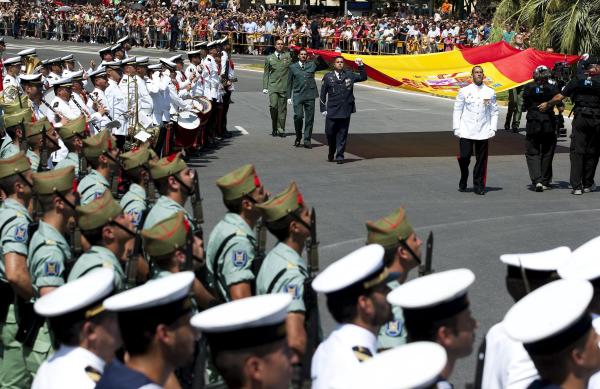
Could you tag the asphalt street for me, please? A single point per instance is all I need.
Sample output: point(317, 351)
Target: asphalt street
point(405, 156)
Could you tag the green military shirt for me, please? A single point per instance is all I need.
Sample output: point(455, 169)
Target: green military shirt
point(34, 160)
point(92, 186)
point(164, 208)
point(95, 257)
point(14, 230)
point(301, 83)
point(275, 76)
point(234, 263)
point(392, 334)
point(48, 253)
point(72, 159)
point(283, 271)
point(8, 148)
point(134, 203)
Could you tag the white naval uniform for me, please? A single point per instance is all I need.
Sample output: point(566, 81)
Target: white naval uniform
point(117, 106)
point(197, 87)
point(212, 79)
point(94, 117)
point(507, 364)
point(144, 102)
point(229, 69)
point(67, 72)
point(52, 77)
point(183, 82)
point(98, 96)
point(69, 111)
point(39, 111)
point(177, 103)
point(9, 81)
point(337, 356)
point(475, 112)
point(66, 369)
point(158, 87)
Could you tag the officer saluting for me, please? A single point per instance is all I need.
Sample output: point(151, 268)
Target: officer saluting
point(302, 91)
point(337, 104)
point(275, 78)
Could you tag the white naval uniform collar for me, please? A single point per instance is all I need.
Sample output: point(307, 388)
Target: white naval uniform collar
point(359, 335)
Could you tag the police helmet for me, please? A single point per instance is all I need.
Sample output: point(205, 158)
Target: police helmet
point(541, 72)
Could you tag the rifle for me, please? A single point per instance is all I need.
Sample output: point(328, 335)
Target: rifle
point(82, 167)
point(425, 268)
point(198, 213)
point(43, 153)
point(261, 244)
point(189, 251)
point(132, 259)
point(114, 183)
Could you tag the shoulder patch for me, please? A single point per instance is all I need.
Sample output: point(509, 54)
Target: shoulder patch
point(21, 233)
point(136, 217)
point(362, 353)
point(239, 258)
point(93, 374)
point(55, 105)
point(393, 328)
point(51, 268)
point(293, 290)
point(107, 264)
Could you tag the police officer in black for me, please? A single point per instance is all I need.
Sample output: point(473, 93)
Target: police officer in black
point(337, 104)
point(540, 141)
point(584, 91)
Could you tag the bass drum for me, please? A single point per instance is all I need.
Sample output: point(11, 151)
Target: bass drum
point(187, 126)
point(202, 107)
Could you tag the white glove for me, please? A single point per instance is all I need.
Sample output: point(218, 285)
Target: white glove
point(585, 56)
point(167, 72)
point(358, 61)
point(324, 113)
point(289, 101)
point(265, 91)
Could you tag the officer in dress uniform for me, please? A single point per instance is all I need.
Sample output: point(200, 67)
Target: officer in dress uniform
point(125, 42)
point(557, 333)
point(55, 70)
point(348, 292)
point(62, 104)
point(116, 100)
point(145, 106)
point(106, 54)
point(503, 362)
point(32, 85)
point(302, 92)
point(227, 79)
point(134, 165)
point(10, 83)
point(584, 90)
point(95, 114)
point(72, 134)
point(101, 153)
point(185, 84)
point(402, 254)
point(475, 120)
point(212, 86)
point(158, 87)
point(87, 334)
point(49, 254)
point(194, 72)
point(175, 92)
point(107, 229)
point(275, 78)
point(337, 105)
point(144, 314)
point(436, 309)
point(68, 65)
point(118, 52)
point(40, 135)
point(232, 244)
point(247, 333)
point(15, 181)
point(14, 132)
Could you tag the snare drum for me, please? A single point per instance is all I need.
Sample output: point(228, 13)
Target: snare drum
point(202, 107)
point(186, 129)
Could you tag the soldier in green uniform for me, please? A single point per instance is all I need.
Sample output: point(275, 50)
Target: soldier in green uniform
point(302, 92)
point(107, 229)
point(284, 270)
point(13, 132)
point(49, 253)
point(101, 152)
point(72, 134)
point(275, 78)
point(134, 165)
point(402, 254)
point(15, 181)
point(232, 243)
point(40, 135)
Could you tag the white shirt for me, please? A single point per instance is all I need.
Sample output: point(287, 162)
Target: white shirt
point(335, 358)
point(66, 369)
point(507, 364)
point(198, 86)
point(159, 92)
point(53, 77)
point(117, 106)
point(475, 112)
point(212, 80)
point(230, 70)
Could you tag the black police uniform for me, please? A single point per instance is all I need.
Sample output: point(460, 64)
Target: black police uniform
point(540, 141)
point(337, 98)
point(585, 140)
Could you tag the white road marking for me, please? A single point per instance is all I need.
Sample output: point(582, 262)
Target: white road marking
point(242, 130)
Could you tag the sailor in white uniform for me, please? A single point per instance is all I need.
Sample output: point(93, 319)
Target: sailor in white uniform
point(10, 83)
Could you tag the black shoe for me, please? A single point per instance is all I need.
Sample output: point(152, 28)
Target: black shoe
point(339, 161)
point(515, 129)
point(480, 192)
point(274, 133)
point(307, 145)
point(462, 188)
point(330, 157)
point(296, 143)
point(507, 127)
point(281, 134)
point(227, 134)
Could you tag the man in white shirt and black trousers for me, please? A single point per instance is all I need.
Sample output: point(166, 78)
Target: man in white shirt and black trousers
point(475, 120)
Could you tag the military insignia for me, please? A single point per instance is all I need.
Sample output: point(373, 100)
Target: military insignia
point(97, 194)
point(239, 258)
point(21, 233)
point(293, 290)
point(348, 82)
point(108, 264)
point(393, 328)
point(362, 353)
point(52, 268)
point(55, 105)
point(136, 216)
point(93, 374)
point(286, 61)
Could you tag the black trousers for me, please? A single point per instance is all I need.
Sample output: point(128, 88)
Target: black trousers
point(539, 153)
point(226, 102)
point(585, 150)
point(466, 147)
point(336, 131)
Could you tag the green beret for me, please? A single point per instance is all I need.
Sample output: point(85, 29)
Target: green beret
point(388, 230)
point(167, 236)
point(238, 183)
point(99, 212)
point(102, 142)
point(52, 181)
point(135, 158)
point(167, 166)
point(290, 200)
point(72, 128)
point(37, 128)
point(14, 119)
point(15, 164)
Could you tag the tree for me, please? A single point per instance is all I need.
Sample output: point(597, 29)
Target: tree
point(569, 26)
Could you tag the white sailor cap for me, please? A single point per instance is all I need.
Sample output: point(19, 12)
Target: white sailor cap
point(142, 61)
point(116, 47)
point(438, 295)
point(31, 78)
point(193, 52)
point(244, 323)
point(168, 63)
point(12, 61)
point(176, 58)
point(83, 296)
point(421, 362)
point(68, 58)
point(360, 270)
point(546, 261)
point(156, 66)
point(123, 40)
point(76, 76)
point(128, 61)
point(101, 71)
point(65, 82)
point(26, 52)
point(53, 61)
point(213, 43)
point(551, 317)
point(105, 50)
point(584, 263)
point(201, 45)
point(111, 64)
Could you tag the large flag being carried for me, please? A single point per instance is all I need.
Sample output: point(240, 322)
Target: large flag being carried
point(445, 73)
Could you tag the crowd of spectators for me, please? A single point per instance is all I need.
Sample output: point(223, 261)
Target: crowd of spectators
point(168, 26)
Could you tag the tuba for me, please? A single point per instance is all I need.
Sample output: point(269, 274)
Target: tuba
point(31, 63)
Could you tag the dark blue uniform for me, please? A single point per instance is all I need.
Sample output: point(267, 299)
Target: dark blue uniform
point(542, 384)
point(118, 376)
point(337, 98)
